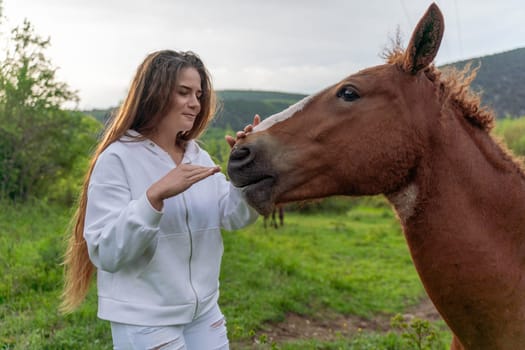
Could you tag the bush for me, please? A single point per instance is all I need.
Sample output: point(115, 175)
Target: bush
point(41, 142)
point(337, 204)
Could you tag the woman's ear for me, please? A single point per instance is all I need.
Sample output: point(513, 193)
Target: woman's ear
point(425, 41)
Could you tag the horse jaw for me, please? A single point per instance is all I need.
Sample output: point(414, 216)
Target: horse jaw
point(260, 196)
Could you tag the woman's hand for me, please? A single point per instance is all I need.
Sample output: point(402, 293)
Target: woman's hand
point(177, 181)
point(242, 134)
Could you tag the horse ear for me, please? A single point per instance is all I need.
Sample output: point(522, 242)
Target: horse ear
point(425, 41)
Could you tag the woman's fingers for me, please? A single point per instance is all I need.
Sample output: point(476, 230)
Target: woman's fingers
point(203, 172)
point(185, 175)
point(256, 120)
point(197, 172)
point(230, 140)
point(242, 134)
point(177, 181)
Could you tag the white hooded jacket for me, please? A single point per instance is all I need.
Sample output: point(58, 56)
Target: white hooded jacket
point(157, 268)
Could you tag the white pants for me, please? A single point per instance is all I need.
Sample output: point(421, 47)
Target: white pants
point(208, 332)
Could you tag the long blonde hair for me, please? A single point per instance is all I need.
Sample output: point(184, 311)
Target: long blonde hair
point(147, 101)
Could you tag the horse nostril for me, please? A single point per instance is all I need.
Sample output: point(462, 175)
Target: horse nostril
point(240, 153)
point(246, 166)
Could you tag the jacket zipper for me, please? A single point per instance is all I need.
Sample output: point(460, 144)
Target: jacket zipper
point(191, 255)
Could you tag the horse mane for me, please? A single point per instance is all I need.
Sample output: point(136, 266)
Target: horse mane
point(454, 86)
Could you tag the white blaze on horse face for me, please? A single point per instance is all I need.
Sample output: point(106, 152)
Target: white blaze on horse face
point(279, 117)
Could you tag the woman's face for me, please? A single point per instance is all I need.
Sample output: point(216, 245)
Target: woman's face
point(185, 103)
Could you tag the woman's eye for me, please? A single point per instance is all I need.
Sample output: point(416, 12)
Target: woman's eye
point(348, 94)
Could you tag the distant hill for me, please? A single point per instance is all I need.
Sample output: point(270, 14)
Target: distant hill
point(236, 107)
point(501, 78)
point(239, 106)
point(258, 95)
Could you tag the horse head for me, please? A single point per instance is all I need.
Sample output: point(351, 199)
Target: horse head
point(361, 136)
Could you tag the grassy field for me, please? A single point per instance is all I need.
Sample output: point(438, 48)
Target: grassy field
point(354, 264)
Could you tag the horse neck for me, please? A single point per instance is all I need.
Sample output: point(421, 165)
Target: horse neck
point(466, 229)
point(465, 178)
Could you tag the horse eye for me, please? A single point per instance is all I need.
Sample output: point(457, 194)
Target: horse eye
point(348, 94)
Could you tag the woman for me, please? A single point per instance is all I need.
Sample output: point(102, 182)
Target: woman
point(150, 214)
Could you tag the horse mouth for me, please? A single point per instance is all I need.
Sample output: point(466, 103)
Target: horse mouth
point(259, 194)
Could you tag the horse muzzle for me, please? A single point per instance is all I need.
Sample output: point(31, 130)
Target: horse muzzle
point(252, 172)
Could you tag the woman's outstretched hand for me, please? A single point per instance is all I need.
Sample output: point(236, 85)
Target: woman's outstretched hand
point(176, 181)
point(242, 134)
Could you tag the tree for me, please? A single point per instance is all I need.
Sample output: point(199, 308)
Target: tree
point(36, 134)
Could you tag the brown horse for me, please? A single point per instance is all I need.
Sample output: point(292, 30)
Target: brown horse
point(406, 130)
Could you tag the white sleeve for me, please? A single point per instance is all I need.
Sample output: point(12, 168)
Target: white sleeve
point(117, 229)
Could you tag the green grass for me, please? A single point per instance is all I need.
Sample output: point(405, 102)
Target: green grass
point(355, 263)
point(352, 264)
point(316, 262)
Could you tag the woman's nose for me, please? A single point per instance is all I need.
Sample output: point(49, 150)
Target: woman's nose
point(194, 101)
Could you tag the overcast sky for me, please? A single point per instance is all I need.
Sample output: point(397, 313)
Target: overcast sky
point(285, 45)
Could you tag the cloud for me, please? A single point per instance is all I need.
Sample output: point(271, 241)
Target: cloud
point(297, 46)
point(299, 79)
